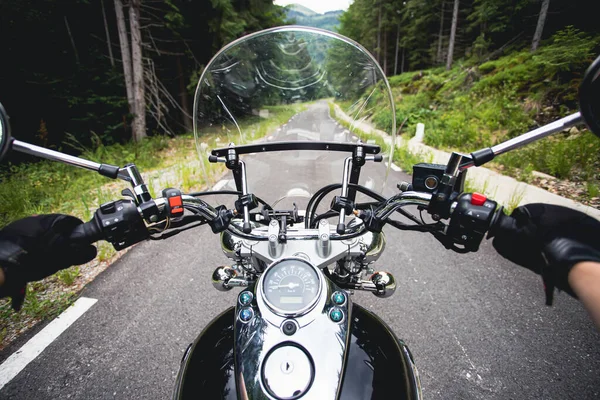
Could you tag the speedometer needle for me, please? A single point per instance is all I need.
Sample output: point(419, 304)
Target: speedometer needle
point(290, 285)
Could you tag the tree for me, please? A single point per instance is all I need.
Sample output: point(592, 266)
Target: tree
point(133, 69)
point(139, 116)
point(108, 41)
point(125, 54)
point(540, 25)
point(440, 35)
point(452, 35)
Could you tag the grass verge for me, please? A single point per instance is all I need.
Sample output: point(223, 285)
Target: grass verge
point(478, 105)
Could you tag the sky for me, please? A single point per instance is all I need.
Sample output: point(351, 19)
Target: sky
point(319, 6)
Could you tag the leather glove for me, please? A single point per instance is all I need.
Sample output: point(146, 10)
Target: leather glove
point(35, 247)
point(549, 240)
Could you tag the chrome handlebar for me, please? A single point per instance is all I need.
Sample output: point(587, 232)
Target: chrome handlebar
point(403, 199)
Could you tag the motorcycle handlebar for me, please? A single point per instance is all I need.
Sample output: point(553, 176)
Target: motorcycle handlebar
point(121, 223)
point(88, 232)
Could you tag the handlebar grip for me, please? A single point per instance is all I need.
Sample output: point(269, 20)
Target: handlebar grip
point(88, 232)
point(378, 158)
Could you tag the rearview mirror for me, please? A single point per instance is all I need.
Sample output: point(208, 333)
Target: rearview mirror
point(5, 139)
point(589, 97)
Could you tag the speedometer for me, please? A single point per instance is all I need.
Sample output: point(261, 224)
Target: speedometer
point(291, 286)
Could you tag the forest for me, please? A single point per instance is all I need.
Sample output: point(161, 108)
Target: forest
point(78, 69)
point(407, 35)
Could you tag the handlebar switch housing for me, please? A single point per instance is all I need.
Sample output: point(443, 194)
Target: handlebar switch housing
point(174, 202)
point(469, 221)
point(121, 223)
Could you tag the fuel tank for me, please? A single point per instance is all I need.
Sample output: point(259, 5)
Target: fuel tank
point(378, 365)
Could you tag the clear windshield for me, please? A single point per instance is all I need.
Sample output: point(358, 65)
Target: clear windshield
point(295, 84)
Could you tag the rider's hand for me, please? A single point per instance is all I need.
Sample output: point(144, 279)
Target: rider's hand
point(35, 247)
point(549, 240)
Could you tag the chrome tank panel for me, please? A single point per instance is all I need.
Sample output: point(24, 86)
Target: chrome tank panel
point(317, 335)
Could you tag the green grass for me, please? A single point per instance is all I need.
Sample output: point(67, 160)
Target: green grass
point(68, 276)
point(474, 106)
point(406, 159)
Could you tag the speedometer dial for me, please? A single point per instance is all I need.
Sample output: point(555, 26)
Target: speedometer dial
point(291, 286)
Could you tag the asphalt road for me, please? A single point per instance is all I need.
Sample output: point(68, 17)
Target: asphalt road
point(476, 324)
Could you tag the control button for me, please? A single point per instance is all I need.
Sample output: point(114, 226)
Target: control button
point(108, 208)
point(289, 328)
point(246, 314)
point(338, 298)
point(477, 199)
point(246, 298)
point(336, 314)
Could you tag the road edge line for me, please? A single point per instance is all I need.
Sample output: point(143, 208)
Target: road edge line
point(17, 361)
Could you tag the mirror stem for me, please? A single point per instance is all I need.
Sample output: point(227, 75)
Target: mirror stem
point(110, 171)
point(482, 156)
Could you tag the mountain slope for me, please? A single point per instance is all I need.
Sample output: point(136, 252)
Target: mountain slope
point(300, 9)
point(301, 15)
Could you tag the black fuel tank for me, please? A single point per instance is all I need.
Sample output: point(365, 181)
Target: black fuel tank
point(378, 365)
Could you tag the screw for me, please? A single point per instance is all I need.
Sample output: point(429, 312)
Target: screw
point(153, 218)
point(436, 217)
point(464, 237)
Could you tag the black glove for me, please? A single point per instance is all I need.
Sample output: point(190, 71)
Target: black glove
point(35, 247)
point(549, 240)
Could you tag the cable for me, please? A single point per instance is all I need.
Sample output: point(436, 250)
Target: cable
point(321, 193)
point(433, 228)
point(324, 191)
point(228, 192)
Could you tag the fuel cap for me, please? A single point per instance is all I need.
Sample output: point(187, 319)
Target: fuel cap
point(287, 372)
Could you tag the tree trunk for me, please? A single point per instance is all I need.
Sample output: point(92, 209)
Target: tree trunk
point(110, 53)
point(125, 54)
point(139, 118)
point(72, 40)
point(540, 25)
point(452, 35)
point(402, 62)
point(397, 46)
point(183, 98)
point(379, 37)
point(439, 58)
point(385, 53)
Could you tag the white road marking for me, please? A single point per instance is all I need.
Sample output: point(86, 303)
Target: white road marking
point(221, 184)
point(30, 350)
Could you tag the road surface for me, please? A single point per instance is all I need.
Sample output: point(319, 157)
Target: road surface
point(476, 324)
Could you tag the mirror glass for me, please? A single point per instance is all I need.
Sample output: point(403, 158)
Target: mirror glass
point(4, 132)
point(589, 97)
